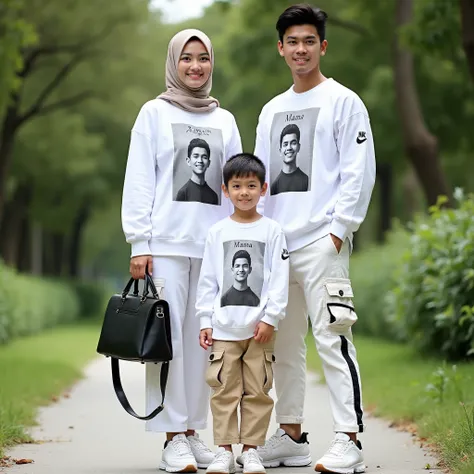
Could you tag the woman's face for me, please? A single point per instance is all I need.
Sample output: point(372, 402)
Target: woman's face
point(194, 67)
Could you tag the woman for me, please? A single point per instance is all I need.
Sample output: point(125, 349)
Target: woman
point(171, 197)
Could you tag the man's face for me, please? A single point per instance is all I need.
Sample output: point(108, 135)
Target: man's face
point(290, 146)
point(302, 49)
point(241, 269)
point(199, 160)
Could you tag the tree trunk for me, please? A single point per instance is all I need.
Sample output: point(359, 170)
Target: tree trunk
point(7, 136)
point(15, 212)
point(36, 249)
point(24, 255)
point(53, 253)
point(420, 145)
point(385, 179)
point(75, 241)
point(467, 24)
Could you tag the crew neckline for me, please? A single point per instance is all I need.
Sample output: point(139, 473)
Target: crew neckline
point(317, 87)
point(247, 224)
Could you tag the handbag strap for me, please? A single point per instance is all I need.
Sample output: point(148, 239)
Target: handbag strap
point(123, 398)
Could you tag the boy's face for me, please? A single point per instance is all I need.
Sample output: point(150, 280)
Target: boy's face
point(241, 269)
point(244, 192)
point(199, 160)
point(290, 146)
point(302, 49)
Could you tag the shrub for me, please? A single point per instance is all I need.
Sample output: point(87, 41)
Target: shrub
point(91, 297)
point(434, 295)
point(29, 304)
point(372, 276)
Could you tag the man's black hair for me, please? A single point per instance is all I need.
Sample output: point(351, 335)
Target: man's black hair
point(198, 143)
point(302, 14)
point(244, 165)
point(242, 254)
point(289, 130)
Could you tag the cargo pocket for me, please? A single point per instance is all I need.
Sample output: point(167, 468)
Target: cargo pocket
point(213, 372)
point(268, 367)
point(341, 313)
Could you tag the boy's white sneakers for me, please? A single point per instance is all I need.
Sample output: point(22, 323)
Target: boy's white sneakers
point(342, 457)
point(203, 455)
point(281, 449)
point(177, 456)
point(251, 462)
point(223, 463)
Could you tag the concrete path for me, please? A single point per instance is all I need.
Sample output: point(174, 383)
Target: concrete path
point(88, 432)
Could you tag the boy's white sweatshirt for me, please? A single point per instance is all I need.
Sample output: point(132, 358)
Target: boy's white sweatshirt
point(233, 314)
point(154, 222)
point(337, 153)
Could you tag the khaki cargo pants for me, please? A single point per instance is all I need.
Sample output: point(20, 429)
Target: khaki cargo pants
point(241, 372)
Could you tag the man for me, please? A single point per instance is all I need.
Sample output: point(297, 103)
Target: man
point(319, 226)
point(240, 293)
point(291, 178)
point(196, 189)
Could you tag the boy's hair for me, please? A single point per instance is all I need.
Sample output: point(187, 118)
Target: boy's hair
point(289, 130)
point(244, 165)
point(241, 254)
point(198, 143)
point(302, 14)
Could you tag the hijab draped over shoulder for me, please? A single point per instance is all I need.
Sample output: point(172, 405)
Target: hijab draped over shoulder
point(179, 94)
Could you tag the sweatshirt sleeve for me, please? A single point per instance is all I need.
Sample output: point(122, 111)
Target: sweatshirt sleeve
point(139, 186)
point(235, 144)
point(357, 168)
point(208, 286)
point(278, 283)
point(260, 151)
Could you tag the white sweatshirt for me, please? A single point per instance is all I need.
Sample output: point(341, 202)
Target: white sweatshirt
point(170, 199)
point(244, 278)
point(327, 173)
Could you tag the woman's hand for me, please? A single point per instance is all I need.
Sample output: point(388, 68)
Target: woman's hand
point(139, 264)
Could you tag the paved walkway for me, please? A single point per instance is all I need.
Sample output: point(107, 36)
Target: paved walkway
point(88, 432)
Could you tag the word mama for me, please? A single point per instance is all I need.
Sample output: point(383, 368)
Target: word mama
point(294, 117)
point(241, 245)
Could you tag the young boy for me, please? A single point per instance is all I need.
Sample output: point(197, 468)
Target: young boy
point(250, 249)
point(291, 178)
point(196, 189)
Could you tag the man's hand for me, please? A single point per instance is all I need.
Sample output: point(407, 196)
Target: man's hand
point(205, 338)
point(337, 242)
point(263, 332)
point(138, 265)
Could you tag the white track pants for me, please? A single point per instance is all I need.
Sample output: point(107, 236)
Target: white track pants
point(319, 285)
point(187, 394)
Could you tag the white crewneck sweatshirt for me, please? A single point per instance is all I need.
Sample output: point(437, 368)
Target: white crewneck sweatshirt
point(172, 190)
point(244, 278)
point(319, 152)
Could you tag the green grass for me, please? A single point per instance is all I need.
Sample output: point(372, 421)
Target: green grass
point(34, 370)
point(394, 385)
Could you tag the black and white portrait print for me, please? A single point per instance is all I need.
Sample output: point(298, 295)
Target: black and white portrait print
point(243, 273)
point(197, 166)
point(291, 157)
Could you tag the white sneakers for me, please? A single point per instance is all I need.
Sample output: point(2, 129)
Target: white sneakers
point(223, 463)
point(342, 457)
point(177, 456)
point(185, 454)
point(281, 449)
point(251, 462)
point(203, 455)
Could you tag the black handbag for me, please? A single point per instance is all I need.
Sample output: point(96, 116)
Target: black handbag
point(137, 328)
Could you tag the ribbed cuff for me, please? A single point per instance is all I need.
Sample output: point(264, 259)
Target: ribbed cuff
point(271, 320)
point(141, 247)
point(205, 322)
point(339, 230)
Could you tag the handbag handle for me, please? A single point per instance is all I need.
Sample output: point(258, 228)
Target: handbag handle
point(123, 398)
point(149, 284)
point(128, 286)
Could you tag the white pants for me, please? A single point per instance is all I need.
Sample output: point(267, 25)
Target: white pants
point(187, 394)
point(319, 285)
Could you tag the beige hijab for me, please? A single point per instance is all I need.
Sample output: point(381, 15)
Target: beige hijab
point(178, 93)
